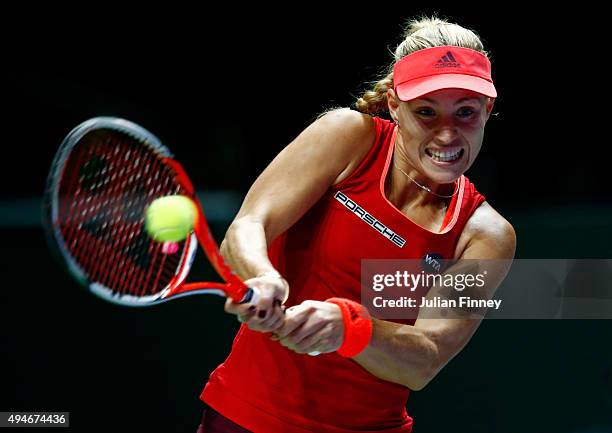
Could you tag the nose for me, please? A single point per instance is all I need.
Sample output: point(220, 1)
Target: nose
point(445, 136)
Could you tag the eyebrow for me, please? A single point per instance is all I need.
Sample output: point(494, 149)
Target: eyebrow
point(459, 101)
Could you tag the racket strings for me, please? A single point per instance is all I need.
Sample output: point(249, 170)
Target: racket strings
point(109, 180)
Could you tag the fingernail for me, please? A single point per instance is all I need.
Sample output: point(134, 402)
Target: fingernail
point(261, 314)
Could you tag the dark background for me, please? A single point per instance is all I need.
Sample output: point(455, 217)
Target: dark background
point(226, 90)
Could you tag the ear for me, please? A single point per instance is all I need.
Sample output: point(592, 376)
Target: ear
point(393, 103)
point(489, 106)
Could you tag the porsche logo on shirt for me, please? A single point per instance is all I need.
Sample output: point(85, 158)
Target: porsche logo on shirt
point(370, 220)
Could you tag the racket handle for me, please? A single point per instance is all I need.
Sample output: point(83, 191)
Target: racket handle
point(251, 296)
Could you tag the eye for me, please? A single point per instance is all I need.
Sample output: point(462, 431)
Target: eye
point(466, 112)
point(425, 112)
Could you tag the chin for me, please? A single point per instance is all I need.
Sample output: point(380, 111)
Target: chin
point(442, 175)
point(443, 179)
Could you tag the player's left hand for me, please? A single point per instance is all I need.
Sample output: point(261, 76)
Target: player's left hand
point(312, 326)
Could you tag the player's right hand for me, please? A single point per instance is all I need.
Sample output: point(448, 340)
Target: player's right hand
point(267, 314)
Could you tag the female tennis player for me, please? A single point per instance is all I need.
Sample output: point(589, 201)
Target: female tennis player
point(354, 186)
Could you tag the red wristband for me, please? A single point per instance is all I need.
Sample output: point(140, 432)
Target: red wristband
point(357, 327)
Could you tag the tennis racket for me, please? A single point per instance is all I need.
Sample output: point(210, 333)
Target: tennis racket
point(105, 174)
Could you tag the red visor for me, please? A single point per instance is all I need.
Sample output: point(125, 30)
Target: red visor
point(445, 67)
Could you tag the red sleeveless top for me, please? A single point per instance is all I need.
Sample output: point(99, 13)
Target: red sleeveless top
point(267, 388)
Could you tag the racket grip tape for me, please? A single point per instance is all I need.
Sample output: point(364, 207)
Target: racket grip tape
point(251, 296)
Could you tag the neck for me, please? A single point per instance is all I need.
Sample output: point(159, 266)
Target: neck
point(404, 193)
point(406, 185)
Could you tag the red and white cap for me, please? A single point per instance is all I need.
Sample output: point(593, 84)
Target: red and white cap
point(445, 67)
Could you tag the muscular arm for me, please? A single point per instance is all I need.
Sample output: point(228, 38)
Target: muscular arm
point(319, 157)
point(413, 355)
point(322, 155)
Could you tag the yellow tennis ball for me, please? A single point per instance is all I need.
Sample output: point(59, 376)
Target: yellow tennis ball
point(170, 218)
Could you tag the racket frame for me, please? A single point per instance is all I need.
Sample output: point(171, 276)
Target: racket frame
point(234, 287)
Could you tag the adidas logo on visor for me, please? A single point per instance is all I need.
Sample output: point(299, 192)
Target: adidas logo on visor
point(447, 61)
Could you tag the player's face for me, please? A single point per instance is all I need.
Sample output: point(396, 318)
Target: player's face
point(442, 132)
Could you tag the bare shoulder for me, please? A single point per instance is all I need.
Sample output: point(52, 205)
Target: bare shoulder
point(347, 122)
point(487, 221)
point(487, 233)
point(352, 133)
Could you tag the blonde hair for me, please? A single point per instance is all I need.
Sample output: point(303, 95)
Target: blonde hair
point(420, 33)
